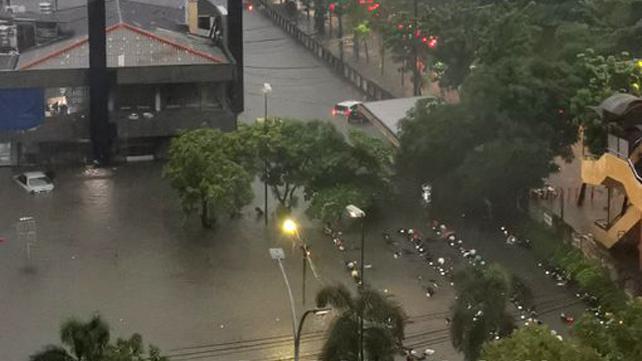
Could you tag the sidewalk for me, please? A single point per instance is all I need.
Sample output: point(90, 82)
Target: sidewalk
point(370, 66)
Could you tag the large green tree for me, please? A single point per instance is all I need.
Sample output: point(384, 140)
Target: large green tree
point(90, 341)
point(205, 171)
point(479, 311)
point(535, 342)
point(602, 76)
point(384, 323)
point(288, 153)
point(617, 336)
point(512, 117)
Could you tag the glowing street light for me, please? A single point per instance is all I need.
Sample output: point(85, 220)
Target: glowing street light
point(290, 226)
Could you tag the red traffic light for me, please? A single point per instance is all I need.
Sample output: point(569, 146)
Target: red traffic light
point(432, 43)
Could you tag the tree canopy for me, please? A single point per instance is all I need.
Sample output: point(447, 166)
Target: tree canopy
point(384, 323)
point(536, 342)
point(615, 337)
point(90, 341)
point(205, 171)
point(479, 312)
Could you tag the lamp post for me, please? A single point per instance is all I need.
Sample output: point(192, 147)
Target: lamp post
point(267, 89)
point(297, 336)
point(292, 228)
point(356, 212)
point(278, 255)
point(415, 55)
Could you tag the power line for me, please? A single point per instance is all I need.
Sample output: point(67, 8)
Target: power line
point(282, 67)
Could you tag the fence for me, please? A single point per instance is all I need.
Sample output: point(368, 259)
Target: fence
point(372, 90)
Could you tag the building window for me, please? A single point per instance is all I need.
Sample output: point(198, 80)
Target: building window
point(135, 97)
point(180, 96)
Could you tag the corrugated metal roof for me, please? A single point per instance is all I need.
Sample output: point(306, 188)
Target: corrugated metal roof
point(131, 26)
point(127, 46)
point(390, 112)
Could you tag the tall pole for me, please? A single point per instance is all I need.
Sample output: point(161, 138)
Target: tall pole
point(235, 44)
point(297, 337)
point(415, 69)
point(265, 165)
point(305, 260)
point(362, 284)
point(294, 326)
point(100, 129)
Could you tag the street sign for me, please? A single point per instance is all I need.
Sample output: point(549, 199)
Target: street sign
point(26, 231)
point(277, 253)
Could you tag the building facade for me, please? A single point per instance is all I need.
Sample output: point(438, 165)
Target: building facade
point(168, 70)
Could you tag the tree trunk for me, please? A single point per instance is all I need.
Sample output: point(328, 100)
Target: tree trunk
point(340, 31)
point(355, 46)
point(365, 49)
point(290, 196)
point(205, 218)
point(382, 52)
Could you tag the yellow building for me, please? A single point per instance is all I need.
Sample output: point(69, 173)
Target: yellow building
point(619, 169)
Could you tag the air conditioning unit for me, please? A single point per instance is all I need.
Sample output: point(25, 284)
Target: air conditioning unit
point(15, 9)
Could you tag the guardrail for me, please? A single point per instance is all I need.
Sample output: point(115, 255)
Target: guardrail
point(370, 88)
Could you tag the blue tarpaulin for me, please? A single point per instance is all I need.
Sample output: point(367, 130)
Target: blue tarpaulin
point(21, 109)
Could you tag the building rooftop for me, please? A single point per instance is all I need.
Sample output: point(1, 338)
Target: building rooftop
point(138, 34)
point(391, 112)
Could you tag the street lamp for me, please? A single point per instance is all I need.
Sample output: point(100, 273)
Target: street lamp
point(278, 255)
point(290, 227)
point(267, 89)
point(297, 336)
point(356, 212)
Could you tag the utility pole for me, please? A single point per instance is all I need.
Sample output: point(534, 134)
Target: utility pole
point(100, 129)
point(416, 80)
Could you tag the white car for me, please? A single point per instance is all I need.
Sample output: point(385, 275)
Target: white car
point(34, 182)
point(344, 108)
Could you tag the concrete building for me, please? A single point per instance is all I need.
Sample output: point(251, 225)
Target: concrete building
point(168, 69)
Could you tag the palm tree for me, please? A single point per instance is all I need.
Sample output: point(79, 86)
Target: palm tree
point(84, 342)
point(384, 323)
point(479, 313)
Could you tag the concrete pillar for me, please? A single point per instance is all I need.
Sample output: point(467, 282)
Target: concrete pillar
point(110, 102)
point(203, 94)
point(191, 15)
point(640, 250)
point(157, 100)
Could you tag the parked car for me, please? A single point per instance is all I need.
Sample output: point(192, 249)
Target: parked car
point(34, 182)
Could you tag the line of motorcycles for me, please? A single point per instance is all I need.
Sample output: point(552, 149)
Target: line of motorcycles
point(335, 236)
point(563, 279)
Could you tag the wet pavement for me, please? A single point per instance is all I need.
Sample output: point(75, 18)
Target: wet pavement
point(115, 242)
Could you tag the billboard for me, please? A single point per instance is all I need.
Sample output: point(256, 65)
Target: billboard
point(21, 109)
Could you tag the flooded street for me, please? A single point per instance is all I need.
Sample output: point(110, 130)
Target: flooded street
point(115, 242)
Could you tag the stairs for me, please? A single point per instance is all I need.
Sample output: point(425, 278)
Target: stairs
point(608, 237)
point(609, 166)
